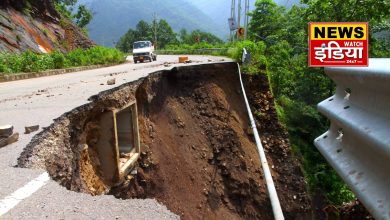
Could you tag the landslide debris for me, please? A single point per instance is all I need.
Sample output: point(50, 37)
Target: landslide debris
point(198, 157)
point(7, 135)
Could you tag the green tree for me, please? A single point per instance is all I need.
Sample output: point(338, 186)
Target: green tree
point(297, 87)
point(83, 16)
point(125, 43)
point(183, 35)
point(198, 35)
point(347, 10)
point(66, 2)
point(143, 30)
point(266, 21)
point(376, 12)
point(165, 34)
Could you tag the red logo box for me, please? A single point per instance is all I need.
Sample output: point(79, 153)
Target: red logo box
point(338, 44)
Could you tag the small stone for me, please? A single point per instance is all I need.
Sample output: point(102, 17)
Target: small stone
point(249, 131)
point(30, 129)
point(9, 140)
point(111, 81)
point(6, 130)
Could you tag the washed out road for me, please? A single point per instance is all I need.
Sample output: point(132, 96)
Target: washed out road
point(37, 102)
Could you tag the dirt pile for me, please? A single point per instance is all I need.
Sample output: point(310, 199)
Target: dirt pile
point(198, 154)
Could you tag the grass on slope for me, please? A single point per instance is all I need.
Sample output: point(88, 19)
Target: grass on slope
point(32, 62)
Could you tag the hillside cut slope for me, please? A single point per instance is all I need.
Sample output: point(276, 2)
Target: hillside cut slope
point(37, 26)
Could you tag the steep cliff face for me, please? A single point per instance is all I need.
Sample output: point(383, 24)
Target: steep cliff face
point(36, 25)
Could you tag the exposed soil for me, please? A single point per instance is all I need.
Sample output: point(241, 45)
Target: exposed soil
point(198, 154)
point(35, 26)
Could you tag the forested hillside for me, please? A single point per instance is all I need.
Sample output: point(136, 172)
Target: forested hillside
point(112, 18)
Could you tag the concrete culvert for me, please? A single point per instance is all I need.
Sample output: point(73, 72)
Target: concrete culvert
point(197, 155)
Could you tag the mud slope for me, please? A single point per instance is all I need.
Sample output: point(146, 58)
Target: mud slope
point(198, 155)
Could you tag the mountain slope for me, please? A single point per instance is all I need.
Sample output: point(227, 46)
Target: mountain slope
point(112, 18)
point(219, 11)
point(35, 25)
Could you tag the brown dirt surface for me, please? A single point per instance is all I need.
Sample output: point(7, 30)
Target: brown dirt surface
point(354, 211)
point(288, 174)
point(198, 155)
point(75, 38)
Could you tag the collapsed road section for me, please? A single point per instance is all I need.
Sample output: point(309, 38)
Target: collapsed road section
point(181, 136)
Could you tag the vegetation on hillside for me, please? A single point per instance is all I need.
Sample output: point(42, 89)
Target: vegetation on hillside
point(114, 18)
point(278, 46)
point(282, 38)
point(166, 37)
point(82, 16)
point(30, 61)
point(33, 62)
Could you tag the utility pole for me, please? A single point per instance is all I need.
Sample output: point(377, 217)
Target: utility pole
point(239, 14)
point(246, 19)
point(155, 29)
point(233, 16)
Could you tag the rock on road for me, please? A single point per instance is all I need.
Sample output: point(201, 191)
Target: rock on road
point(38, 101)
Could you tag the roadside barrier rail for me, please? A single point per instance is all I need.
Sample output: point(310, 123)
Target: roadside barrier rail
point(357, 145)
point(276, 208)
point(211, 51)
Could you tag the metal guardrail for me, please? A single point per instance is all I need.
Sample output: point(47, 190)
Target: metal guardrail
point(195, 51)
point(276, 208)
point(357, 144)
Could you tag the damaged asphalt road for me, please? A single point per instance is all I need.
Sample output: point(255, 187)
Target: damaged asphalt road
point(37, 102)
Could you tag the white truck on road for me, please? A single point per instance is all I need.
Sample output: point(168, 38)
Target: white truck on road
point(143, 50)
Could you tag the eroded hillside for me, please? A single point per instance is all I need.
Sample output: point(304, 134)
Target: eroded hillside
point(37, 26)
